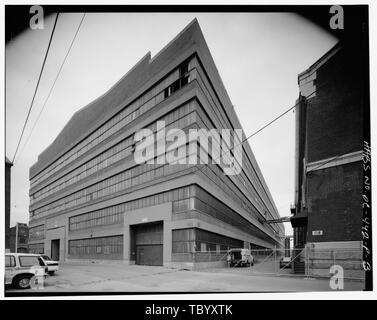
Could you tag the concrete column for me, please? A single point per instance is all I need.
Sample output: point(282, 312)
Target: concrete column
point(127, 244)
point(47, 247)
point(167, 242)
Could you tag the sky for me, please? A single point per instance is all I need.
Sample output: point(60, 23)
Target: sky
point(258, 55)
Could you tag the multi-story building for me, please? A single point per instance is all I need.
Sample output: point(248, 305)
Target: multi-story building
point(328, 213)
point(18, 238)
point(8, 166)
point(90, 199)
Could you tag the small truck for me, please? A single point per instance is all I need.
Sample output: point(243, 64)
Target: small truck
point(240, 257)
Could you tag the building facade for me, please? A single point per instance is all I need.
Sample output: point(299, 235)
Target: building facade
point(328, 214)
point(90, 199)
point(18, 238)
point(8, 166)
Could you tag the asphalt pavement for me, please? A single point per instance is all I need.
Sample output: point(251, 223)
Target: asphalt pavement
point(113, 277)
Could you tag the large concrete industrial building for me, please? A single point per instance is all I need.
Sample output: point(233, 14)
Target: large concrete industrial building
point(89, 199)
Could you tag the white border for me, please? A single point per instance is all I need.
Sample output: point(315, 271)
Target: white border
point(339, 295)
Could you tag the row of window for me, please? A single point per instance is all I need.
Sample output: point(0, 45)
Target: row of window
point(246, 167)
point(237, 154)
point(106, 216)
point(127, 179)
point(206, 203)
point(181, 116)
point(216, 176)
point(96, 246)
point(118, 152)
point(199, 246)
point(184, 240)
point(107, 129)
point(124, 180)
point(197, 240)
point(100, 217)
point(148, 100)
point(183, 199)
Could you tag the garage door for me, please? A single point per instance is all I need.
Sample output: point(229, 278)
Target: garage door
point(150, 255)
point(149, 242)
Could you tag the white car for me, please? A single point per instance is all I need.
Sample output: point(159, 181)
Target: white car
point(52, 265)
point(286, 262)
point(24, 269)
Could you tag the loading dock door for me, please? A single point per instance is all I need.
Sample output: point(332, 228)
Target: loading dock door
point(150, 255)
point(149, 242)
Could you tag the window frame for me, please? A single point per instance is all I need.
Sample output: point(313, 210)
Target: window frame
point(11, 259)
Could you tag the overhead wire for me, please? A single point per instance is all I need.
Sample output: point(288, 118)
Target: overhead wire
point(53, 85)
point(37, 86)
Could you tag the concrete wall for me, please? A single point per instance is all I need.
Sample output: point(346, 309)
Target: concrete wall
point(321, 256)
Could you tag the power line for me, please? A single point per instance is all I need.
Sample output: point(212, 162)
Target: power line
point(265, 126)
point(36, 88)
point(53, 85)
point(269, 123)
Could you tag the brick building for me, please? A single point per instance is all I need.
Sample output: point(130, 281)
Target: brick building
point(329, 142)
point(18, 236)
point(89, 199)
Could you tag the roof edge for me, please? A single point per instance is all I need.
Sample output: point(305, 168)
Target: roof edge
point(332, 51)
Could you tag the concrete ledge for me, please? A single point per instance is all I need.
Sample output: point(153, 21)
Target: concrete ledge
point(326, 264)
point(348, 274)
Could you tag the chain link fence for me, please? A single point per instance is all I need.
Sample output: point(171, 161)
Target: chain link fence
point(200, 260)
point(306, 262)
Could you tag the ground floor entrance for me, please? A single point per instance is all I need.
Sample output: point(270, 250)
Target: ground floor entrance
point(148, 243)
point(55, 248)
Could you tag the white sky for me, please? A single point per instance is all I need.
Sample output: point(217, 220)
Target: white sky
point(258, 56)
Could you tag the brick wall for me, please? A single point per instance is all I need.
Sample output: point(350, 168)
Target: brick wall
point(335, 113)
point(334, 203)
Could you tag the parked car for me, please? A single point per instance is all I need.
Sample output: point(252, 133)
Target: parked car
point(22, 268)
point(286, 262)
point(52, 265)
point(240, 257)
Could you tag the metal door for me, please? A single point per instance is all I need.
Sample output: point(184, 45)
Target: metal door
point(55, 249)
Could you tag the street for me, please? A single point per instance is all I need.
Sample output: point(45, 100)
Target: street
point(112, 277)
